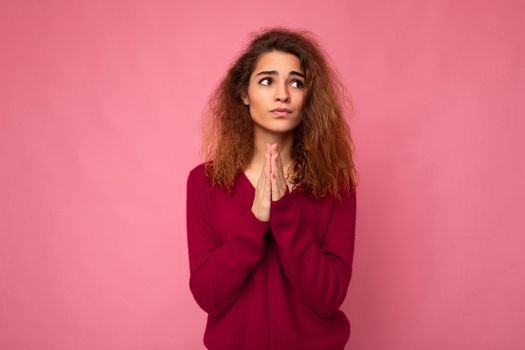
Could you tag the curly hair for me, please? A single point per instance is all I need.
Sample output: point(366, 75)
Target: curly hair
point(322, 147)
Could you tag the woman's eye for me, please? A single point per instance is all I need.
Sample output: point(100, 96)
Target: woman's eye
point(267, 81)
point(299, 83)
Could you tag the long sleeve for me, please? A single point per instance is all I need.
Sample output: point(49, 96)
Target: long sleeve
point(218, 269)
point(319, 274)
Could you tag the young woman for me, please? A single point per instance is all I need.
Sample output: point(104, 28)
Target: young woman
point(271, 211)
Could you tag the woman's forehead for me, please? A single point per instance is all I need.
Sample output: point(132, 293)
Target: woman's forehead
point(279, 62)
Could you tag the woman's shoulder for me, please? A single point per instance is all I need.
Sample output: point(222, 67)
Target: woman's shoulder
point(197, 174)
point(201, 169)
point(197, 169)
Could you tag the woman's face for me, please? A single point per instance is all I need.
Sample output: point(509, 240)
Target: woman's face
point(277, 82)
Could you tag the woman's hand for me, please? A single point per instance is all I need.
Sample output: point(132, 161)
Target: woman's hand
point(271, 185)
point(263, 192)
point(278, 180)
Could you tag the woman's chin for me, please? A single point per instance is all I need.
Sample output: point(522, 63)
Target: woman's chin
point(277, 126)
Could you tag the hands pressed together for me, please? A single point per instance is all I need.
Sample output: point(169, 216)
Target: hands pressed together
point(271, 185)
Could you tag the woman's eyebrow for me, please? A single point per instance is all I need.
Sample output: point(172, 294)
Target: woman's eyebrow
point(274, 72)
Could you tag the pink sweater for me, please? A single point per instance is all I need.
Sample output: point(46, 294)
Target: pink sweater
point(269, 285)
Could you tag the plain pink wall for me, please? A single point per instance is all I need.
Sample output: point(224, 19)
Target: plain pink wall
point(99, 113)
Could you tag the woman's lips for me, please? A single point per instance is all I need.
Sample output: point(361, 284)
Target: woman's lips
point(280, 113)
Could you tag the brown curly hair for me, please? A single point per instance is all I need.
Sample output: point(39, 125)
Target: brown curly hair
point(322, 149)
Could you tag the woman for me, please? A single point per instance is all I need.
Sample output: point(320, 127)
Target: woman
point(271, 211)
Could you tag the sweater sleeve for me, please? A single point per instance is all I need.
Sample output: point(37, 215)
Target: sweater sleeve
point(218, 269)
point(319, 274)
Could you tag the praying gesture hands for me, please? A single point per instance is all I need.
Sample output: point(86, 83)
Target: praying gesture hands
point(271, 185)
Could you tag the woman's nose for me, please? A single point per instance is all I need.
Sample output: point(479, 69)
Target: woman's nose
point(281, 93)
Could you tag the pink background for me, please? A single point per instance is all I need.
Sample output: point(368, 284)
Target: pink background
point(99, 125)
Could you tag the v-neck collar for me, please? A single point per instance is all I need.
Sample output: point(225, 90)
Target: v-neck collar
point(247, 180)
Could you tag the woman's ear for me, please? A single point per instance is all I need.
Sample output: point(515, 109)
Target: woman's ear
point(245, 99)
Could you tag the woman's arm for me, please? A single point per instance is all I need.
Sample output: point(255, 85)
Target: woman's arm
point(320, 274)
point(218, 270)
